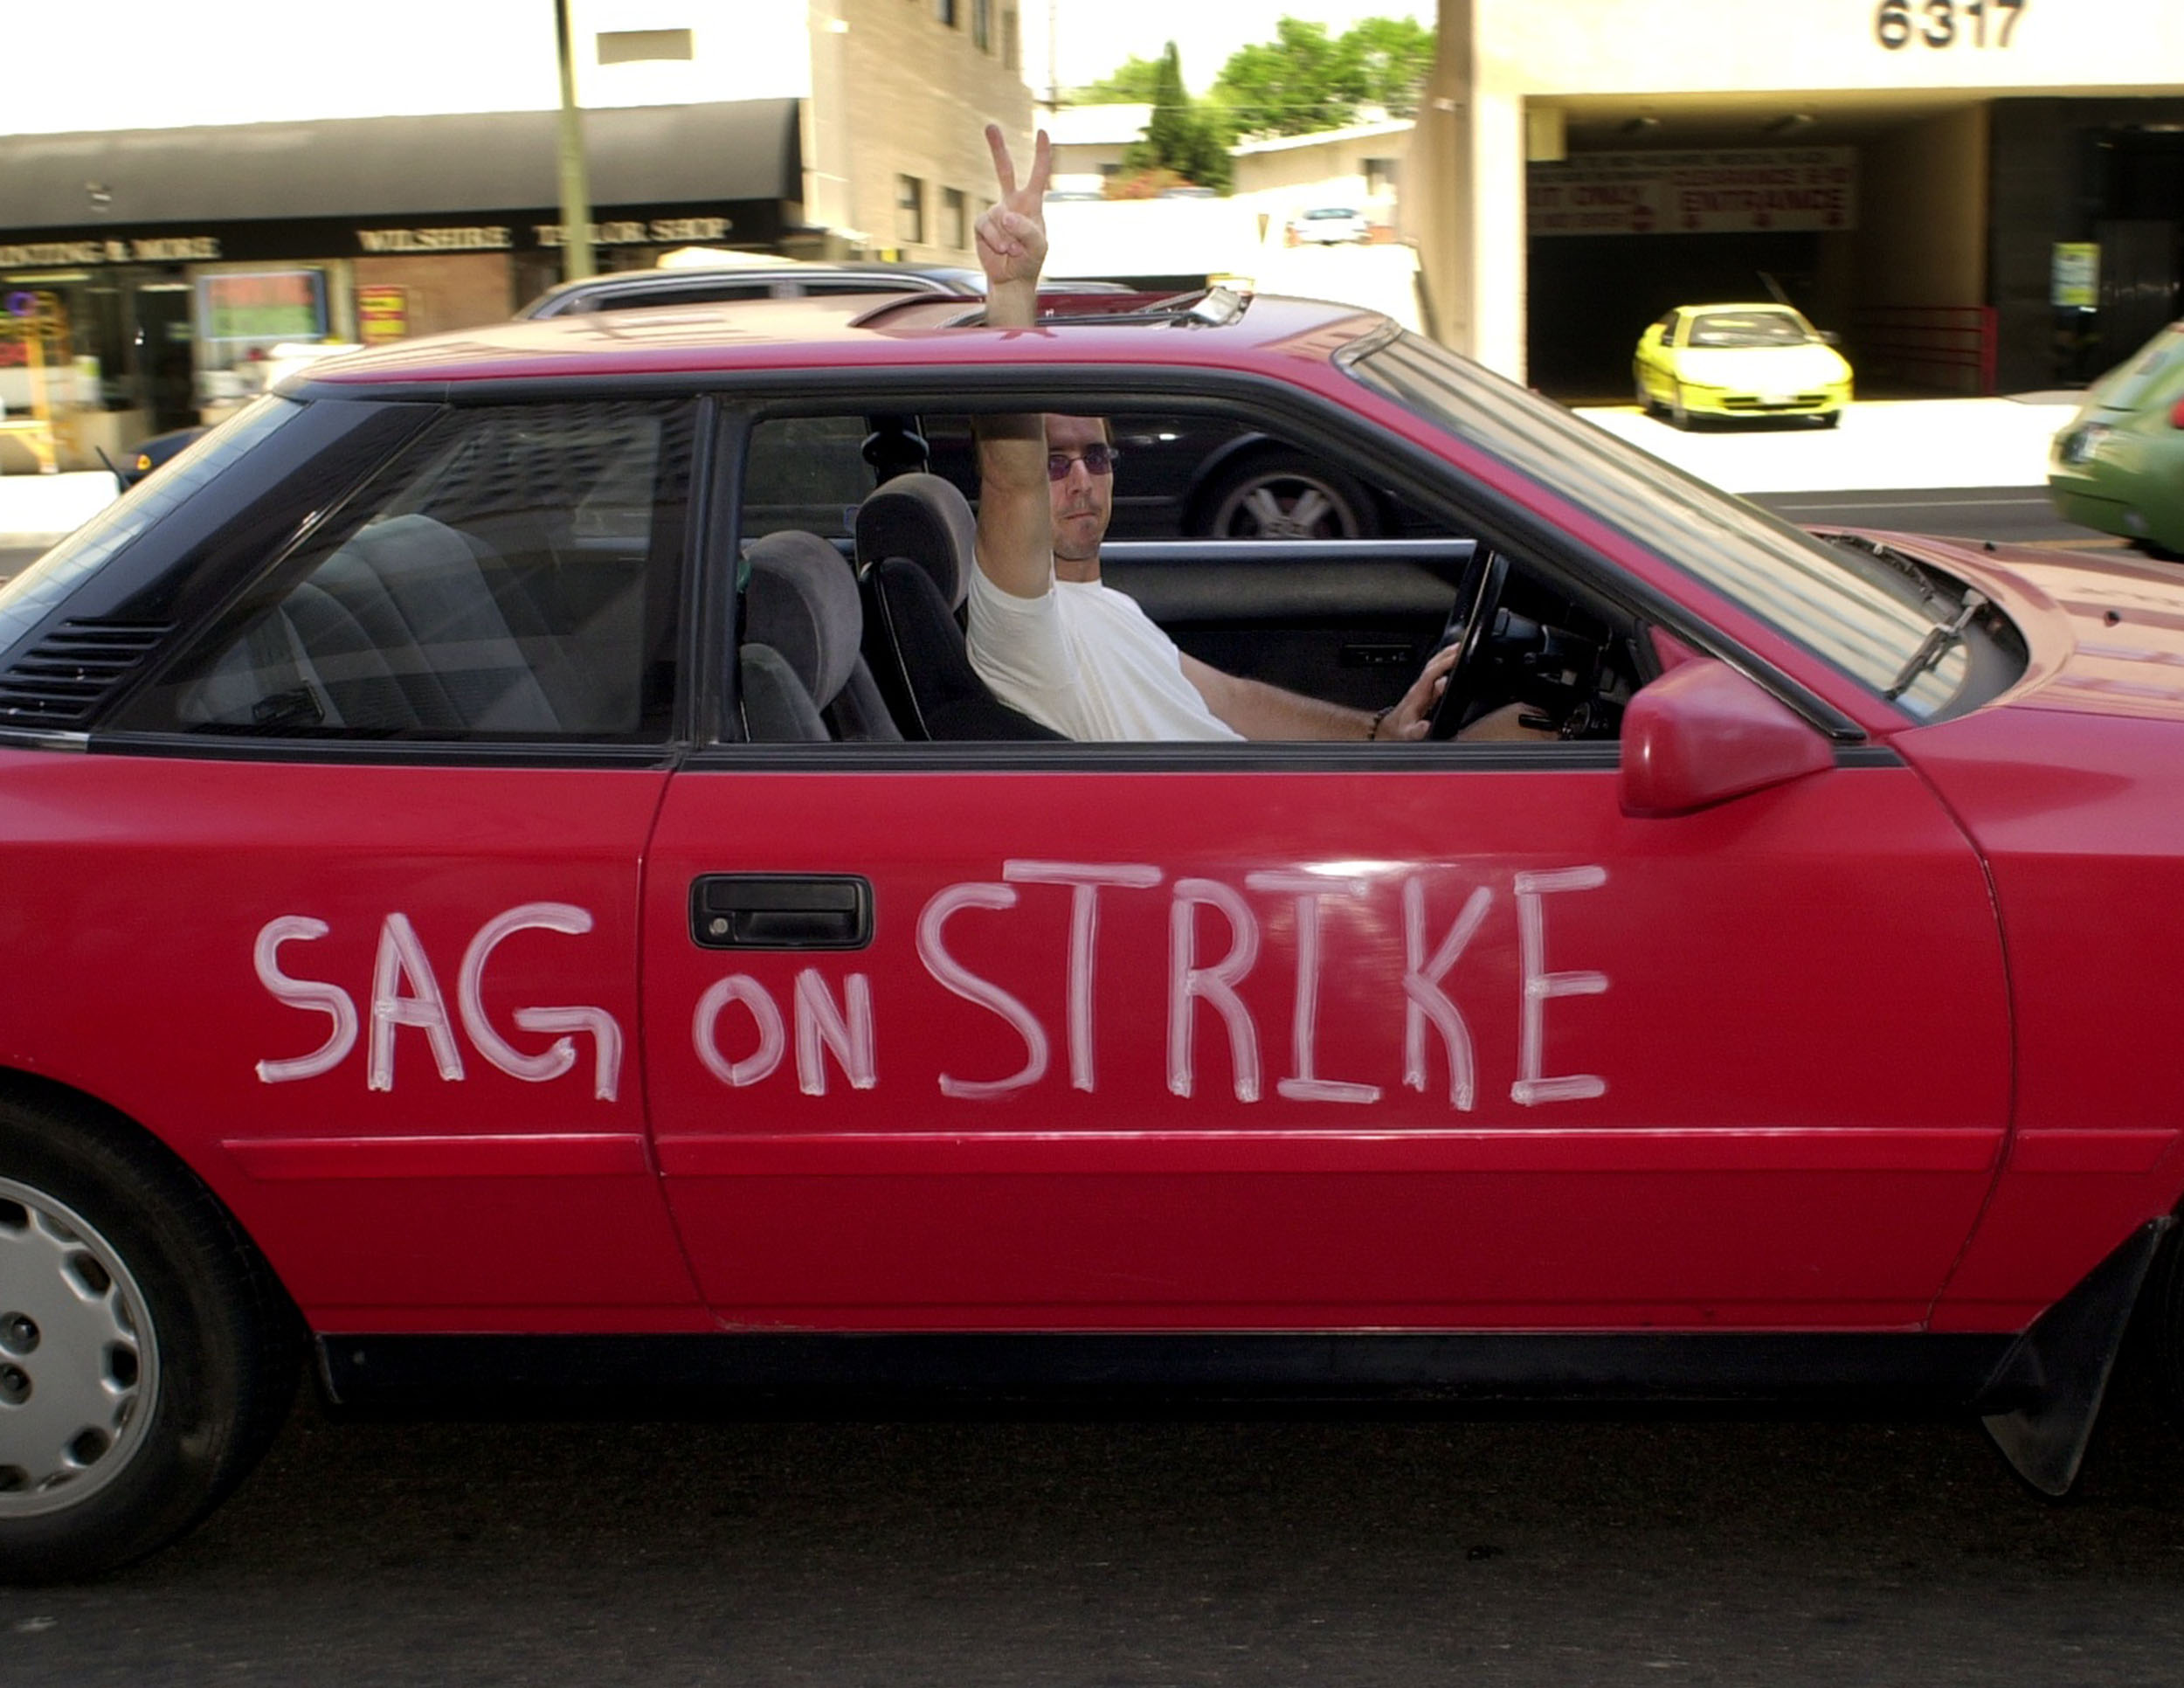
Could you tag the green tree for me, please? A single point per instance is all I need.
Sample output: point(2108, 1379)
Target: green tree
point(1305, 80)
point(1134, 82)
point(1181, 136)
point(1389, 58)
point(1294, 85)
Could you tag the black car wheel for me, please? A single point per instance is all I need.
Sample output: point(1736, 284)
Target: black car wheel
point(1287, 495)
point(145, 1355)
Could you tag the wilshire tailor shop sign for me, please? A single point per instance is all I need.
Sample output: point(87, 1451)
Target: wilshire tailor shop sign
point(1787, 190)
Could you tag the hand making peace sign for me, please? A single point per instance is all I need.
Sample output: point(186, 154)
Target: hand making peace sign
point(1012, 235)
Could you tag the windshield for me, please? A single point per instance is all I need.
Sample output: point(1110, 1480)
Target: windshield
point(1846, 606)
point(1748, 328)
point(27, 600)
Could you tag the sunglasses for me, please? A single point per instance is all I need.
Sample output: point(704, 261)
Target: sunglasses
point(1097, 460)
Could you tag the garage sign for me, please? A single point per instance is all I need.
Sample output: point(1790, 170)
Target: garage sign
point(1790, 190)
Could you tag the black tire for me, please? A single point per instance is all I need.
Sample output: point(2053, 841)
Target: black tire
point(1647, 405)
point(1285, 496)
point(1831, 419)
point(1677, 413)
point(180, 1360)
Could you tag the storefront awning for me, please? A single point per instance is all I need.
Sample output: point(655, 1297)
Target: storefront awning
point(395, 167)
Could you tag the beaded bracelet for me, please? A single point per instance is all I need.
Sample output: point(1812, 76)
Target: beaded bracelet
point(1373, 733)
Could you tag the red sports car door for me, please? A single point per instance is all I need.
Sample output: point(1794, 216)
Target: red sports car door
point(1421, 1037)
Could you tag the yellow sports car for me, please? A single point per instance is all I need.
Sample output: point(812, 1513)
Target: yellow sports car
point(1740, 360)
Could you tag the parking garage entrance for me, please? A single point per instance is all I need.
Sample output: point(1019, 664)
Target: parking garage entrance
point(1589, 297)
point(1931, 234)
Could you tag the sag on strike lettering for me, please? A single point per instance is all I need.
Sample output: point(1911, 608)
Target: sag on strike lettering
point(831, 1028)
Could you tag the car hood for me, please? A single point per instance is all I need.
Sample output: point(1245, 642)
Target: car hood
point(1784, 368)
point(2104, 630)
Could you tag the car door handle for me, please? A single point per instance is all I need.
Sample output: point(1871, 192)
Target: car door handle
point(781, 911)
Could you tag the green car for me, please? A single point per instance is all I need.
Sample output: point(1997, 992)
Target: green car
point(2119, 465)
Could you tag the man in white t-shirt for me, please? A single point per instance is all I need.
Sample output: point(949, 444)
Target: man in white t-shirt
point(1047, 635)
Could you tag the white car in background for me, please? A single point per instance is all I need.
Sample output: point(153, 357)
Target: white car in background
point(1330, 225)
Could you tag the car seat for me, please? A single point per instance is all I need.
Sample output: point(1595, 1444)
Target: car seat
point(916, 548)
point(802, 604)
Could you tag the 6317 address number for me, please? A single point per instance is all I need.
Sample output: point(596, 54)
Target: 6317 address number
point(1897, 24)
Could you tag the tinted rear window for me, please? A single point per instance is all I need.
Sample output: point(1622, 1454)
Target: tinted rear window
point(2153, 363)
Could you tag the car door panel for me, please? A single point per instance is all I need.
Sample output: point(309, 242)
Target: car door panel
point(1685, 1093)
point(402, 1047)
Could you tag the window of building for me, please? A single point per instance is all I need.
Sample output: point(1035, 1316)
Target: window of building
point(955, 218)
point(945, 11)
point(1011, 49)
point(981, 25)
point(636, 46)
point(909, 210)
point(1379, 175)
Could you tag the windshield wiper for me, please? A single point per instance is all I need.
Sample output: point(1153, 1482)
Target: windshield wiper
point(1942, 638)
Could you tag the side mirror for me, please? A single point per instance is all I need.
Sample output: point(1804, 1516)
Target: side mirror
point(1829, 337)
point(1703, 734)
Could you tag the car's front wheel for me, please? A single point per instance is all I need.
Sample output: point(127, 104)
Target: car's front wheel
point(145, 1355)
point(1287, 495)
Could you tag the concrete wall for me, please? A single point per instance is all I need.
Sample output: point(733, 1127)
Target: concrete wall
point(1283, 181)
point(1922, 213)
point(1736, 47)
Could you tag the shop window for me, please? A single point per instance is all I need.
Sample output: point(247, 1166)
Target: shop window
point(242, 315)
point(909, 210)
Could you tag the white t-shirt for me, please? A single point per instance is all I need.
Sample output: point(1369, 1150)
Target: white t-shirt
point(1086, 661)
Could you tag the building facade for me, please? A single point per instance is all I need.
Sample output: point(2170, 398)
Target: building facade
point(146, 274)
point(1977, 192)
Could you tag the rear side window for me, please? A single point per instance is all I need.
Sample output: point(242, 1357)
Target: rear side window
point(2153, 361)
point(805, 472)
point(513, 575)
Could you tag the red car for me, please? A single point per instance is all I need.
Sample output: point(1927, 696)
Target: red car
point(503, 891)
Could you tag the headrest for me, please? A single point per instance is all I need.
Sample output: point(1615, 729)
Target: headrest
point(924, 518)
point(802, 600)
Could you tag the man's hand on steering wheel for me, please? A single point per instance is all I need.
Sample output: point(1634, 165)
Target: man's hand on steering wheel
point(1409, 718)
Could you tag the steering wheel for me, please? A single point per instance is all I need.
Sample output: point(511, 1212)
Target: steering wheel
point(1471, 617)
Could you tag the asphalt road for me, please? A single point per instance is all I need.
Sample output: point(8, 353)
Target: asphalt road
point(2019, 515)
point(1135, 1554)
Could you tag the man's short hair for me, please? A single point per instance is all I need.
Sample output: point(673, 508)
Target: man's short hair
point(1107, 425)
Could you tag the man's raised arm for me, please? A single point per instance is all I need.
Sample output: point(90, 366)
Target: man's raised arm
point(1015, 519)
